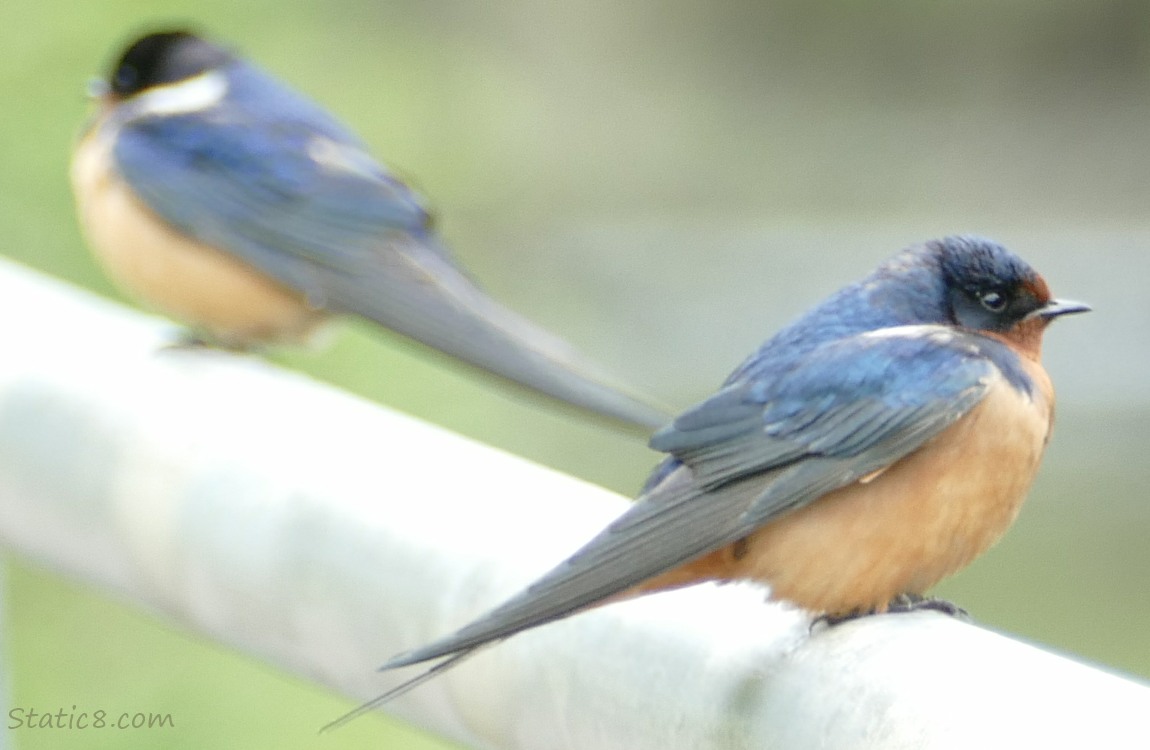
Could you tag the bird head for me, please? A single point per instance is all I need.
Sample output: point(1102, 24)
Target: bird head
point(989, 290)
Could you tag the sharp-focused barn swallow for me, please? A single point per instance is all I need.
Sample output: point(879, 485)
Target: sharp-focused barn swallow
point(217, 195)
point(876, 445)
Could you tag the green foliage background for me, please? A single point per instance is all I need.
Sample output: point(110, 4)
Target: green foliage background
point(664, 183)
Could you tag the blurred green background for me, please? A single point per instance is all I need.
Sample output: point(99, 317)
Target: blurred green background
point(664, 184)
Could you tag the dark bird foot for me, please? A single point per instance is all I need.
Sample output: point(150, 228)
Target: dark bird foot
point(839, 618)
point(901, 603)
point(189, 340)
point(916, 602)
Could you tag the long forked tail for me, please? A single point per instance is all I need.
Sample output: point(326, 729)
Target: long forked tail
point(400, 689)
point(425, 297)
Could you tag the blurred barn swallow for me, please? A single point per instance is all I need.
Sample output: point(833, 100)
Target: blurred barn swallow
point(876, 445)
point(214, 193)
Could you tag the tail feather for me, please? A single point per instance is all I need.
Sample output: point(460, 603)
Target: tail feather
point(398, 690)
point(425, 297)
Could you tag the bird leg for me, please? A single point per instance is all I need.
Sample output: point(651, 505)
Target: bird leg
point(900, 604)
point(918, 602)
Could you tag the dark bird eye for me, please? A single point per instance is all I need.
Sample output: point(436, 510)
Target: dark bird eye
point(993, 301)
point(126, 78)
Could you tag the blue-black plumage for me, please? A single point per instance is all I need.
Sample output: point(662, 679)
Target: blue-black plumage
point(218, 195)
point(872, 447)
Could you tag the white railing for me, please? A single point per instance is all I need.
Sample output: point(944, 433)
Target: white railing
point(323, 534)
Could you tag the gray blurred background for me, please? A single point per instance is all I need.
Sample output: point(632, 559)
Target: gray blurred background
point(664, 184)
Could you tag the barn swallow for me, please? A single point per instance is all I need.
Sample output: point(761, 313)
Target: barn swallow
point(876, 445)
point(214, 193)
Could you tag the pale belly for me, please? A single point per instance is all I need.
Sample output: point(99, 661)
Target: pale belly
point(193, 283)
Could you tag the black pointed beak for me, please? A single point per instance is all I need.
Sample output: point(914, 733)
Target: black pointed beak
point(1057, 307)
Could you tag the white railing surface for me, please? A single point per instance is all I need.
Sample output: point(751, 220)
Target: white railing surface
point(323, 534)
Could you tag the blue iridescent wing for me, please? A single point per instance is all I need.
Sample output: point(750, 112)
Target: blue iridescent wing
point(308, 207)
point(753, 451)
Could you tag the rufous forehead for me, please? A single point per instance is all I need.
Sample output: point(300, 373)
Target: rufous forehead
point(1036, 285)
